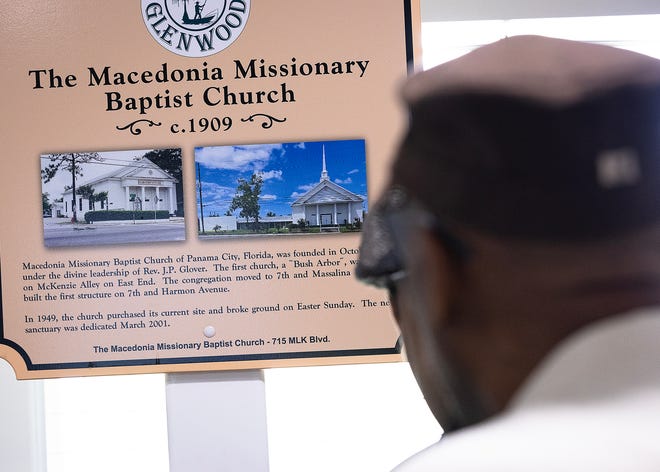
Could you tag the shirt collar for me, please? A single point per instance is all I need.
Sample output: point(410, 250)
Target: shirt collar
point(606, 359)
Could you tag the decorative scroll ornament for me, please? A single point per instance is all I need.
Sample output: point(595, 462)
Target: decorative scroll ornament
point(268, 119)
point(134, 129)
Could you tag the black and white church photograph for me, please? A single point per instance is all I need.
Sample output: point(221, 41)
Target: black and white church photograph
point(112, 197)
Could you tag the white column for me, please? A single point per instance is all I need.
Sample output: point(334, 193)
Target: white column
point(128, 197)
point(318, 215)
point(143, 197)
point(335, 216)
point(217, 421)
point(172, 201)
point(157, 198)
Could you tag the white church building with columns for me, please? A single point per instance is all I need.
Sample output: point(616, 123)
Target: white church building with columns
point(141, 186)
point(328, 204)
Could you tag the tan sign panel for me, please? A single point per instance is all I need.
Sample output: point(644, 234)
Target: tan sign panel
point(184, 183)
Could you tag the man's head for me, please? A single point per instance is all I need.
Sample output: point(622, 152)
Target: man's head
point(524, 204)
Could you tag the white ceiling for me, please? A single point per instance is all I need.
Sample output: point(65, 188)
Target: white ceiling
point(454, 10)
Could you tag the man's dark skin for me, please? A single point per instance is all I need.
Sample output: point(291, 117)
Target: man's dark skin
point(494, 316)
point(519, 237)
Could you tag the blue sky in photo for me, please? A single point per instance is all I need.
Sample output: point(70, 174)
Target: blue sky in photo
point(288, 170)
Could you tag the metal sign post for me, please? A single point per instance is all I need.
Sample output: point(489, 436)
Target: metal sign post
point(217, 421)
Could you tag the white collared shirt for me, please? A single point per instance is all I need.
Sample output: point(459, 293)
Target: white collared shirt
point(592, 405)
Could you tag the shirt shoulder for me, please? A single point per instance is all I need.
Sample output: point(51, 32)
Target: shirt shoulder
point(594, 407)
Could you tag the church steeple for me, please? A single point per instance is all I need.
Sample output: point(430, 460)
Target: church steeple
point(324, 172)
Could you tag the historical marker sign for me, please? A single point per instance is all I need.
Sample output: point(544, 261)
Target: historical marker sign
point(185, 183)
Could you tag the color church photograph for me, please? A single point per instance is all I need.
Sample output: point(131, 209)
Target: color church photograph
point(281, 189)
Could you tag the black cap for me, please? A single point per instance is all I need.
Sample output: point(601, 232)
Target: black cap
point(536, 138)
